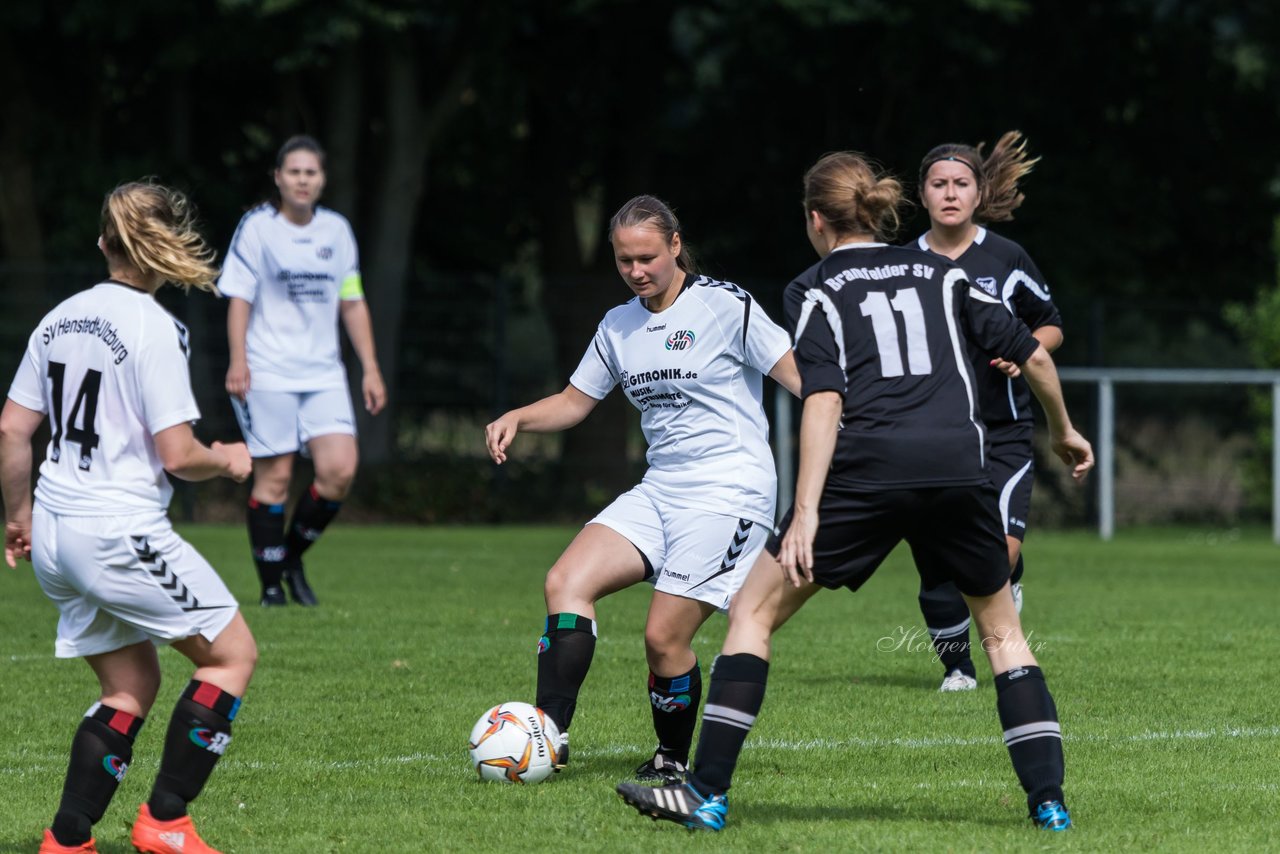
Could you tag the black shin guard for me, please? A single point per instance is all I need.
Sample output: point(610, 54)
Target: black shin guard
point(100, 754)
point(564, 656)
point(1031, 732)
point(733, 701)
point(266, 539)
point(312, 515)
point(674, 701)
point(199, 733)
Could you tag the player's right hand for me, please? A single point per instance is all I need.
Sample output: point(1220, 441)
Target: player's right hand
point(17, 542)
point(1074, 450)
point(239, 463)
point(796, 552)
point(498, 435)
point(238, 380)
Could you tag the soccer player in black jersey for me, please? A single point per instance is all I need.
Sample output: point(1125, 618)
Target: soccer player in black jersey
point(962, 190)
point(891, 448)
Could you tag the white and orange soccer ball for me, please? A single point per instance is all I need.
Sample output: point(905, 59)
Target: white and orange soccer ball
point(514, 743)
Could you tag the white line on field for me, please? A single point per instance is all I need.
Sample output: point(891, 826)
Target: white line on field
point(10, 769)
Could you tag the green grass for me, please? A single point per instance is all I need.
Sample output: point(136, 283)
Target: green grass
point(1160, 649)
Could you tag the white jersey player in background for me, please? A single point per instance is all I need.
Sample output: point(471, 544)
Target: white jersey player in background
point(291, 272)
point(108, 367)
point(690, 353)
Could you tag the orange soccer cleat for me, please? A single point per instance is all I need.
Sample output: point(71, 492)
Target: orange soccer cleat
point(152, 836)
point(53, 846)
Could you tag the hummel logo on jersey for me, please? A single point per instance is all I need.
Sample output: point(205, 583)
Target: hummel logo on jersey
point(658, 328)
point(680, 340)
point(176, 839)
point(987, 283)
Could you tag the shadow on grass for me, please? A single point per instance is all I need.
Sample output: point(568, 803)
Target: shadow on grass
point(25, 844)
point(766, 813)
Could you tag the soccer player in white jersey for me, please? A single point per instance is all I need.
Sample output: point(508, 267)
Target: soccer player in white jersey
point(961, 190)
point(108, 368)
point(690, 353)
point(292, 271)
point(891, 449)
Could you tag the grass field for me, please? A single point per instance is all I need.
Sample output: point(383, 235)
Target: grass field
point(1160, 649)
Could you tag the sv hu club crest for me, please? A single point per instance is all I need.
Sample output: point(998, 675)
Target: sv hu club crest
point(681, 340)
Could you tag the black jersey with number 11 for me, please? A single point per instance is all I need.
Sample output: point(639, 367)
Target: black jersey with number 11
point(888, 328)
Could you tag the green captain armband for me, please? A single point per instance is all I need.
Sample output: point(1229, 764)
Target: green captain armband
point(352, 287)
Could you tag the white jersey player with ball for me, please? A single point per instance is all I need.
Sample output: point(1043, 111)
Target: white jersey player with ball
point(695, 371)
point(690, 353)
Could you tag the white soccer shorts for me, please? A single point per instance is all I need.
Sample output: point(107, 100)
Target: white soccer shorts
point(283, 422)
point(694, 554)
point(121, 580)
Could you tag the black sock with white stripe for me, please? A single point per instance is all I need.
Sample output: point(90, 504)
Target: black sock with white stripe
point(674, 701)
point(565, 650)
point(946, 616)
point(100, 754)
point(733, 701)
point(1031, 732)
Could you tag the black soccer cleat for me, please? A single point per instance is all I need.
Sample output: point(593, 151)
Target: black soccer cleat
point(273, 597)
point(299, 589)
point(679, 803)
point(661, 769)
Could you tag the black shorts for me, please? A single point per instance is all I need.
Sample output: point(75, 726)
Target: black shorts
point(1011, 464)
point(954, 533)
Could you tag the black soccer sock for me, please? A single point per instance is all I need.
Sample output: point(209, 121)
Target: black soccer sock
point(266, 538)
point(199, 733)
point(564, 656)
point(733, 701)
point(1016, 577)
point(100, 754)
point(946, 616)
point(312, 515)
point(674, 701)
point(1031, 732)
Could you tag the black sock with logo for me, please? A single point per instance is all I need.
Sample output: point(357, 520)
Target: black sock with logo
point(674, 702)
point(266, 538)
point(199, 733)
point(312, 515)
point(100, 754)
point(565, 651)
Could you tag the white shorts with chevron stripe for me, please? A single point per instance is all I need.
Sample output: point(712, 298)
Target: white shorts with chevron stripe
point(120, 580)
point(693, 554)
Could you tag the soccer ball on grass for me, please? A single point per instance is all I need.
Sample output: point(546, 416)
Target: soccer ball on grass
point(514, 743)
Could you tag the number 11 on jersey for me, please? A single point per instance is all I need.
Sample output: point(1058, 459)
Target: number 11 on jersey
point(880, 309)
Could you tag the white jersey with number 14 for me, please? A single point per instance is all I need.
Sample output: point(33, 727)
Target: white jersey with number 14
point(109, 368)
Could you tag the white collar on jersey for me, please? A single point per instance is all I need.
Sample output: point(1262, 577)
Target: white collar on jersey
point(977, 238)
point(856, 246)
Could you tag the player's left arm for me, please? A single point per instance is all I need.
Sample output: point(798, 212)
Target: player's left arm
point(359, 326)
point(17, 425)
